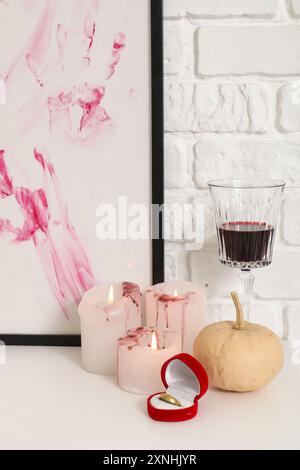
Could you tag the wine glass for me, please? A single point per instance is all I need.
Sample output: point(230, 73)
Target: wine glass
point(246, 213)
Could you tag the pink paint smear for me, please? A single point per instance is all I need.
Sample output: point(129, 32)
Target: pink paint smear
point(88, 97)
point(93, 115)
point(49, 228)
point(89, 33)
point(63, 259)
point(118, 46)
point(36, 49)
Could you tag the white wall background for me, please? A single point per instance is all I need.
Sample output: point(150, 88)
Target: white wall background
point(231, 86)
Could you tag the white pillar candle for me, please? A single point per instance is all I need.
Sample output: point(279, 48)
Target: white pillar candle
point(179, 306)
point(141, 354)
point(106, 313)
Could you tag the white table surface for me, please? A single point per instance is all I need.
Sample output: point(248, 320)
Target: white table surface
point(48, 402)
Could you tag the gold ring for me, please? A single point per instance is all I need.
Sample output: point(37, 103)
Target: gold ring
point(169, 399)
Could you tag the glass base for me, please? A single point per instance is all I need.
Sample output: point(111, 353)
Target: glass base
point(245, 264)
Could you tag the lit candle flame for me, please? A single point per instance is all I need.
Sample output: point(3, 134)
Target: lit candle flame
point(175, 293)
point(110, 299)
point(154, 342)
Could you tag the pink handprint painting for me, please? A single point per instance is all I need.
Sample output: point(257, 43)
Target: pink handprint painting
point(74, 134)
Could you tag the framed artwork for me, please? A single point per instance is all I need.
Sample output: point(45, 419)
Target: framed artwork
point(81, 134)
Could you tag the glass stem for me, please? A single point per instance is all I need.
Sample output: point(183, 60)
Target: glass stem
point(246, 281)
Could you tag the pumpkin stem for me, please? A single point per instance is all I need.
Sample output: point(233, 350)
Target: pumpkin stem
point(239, 324)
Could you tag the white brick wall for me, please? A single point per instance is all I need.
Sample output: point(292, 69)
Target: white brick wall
point(210, 107)
point(288, 107)
point(295, 7)
point(248, 49)
point(232, 107)
point(222, 9)
point(247, 158)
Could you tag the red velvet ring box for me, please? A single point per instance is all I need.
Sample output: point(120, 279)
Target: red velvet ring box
point(185, 379)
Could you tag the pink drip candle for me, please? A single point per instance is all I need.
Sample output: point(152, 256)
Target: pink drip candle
point(106, 313)
point(141, 355)
point(179, 306)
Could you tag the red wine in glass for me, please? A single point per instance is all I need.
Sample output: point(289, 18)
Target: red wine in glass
point(246, 245)
point(246, 213)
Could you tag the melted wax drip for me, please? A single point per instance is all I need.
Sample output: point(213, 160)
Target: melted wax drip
point(64, 261)
point(106, 311)
point(165, 300)
point(134, 337)
point(131, 293)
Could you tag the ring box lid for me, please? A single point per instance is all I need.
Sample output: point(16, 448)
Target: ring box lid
point(184, 373)
point(186, 380)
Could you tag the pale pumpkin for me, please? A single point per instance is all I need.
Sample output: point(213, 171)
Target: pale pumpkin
point(239, 356)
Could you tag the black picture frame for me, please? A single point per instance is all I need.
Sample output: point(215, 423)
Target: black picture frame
point(157, 141)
